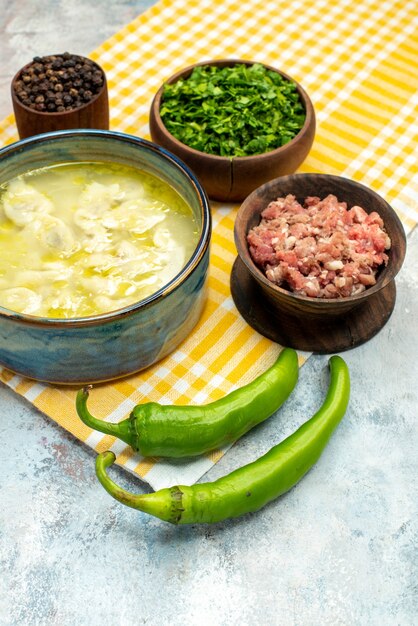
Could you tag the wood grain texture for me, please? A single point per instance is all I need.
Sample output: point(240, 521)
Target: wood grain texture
point(93, 114)
point(232, 179)
point(322, 335)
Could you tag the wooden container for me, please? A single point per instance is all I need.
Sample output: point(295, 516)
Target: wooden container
point(314, 324)
point(231, 179)
point(93, 114)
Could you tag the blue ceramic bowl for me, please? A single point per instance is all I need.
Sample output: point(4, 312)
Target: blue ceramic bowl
point(111, 345)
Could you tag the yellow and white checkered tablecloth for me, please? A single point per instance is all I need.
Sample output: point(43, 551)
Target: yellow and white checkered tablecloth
point(358, 62)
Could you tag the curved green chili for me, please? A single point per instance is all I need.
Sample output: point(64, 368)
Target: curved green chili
point(249, 488)
point(153, 429)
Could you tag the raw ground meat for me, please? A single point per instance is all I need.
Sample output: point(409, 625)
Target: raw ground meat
point(320, 249)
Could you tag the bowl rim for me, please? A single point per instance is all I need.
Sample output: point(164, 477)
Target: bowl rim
point(200, 249)
point(306, 101)
point(258, 274)
point(19, 103)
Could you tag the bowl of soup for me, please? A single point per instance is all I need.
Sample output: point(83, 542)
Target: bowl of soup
point(104, 253)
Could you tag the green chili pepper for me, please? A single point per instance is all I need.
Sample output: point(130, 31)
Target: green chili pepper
point(153, 429)
point(249, 488)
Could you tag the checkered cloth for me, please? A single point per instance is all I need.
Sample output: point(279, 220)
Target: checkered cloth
point(357, 61)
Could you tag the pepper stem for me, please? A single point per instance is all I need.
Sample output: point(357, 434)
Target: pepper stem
point(158, 503)
point(121, 430)
point(103, 462)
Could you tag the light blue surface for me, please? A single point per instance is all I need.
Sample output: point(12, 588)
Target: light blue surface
point(340, 549)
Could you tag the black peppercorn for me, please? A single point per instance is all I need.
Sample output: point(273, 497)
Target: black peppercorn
point(58, 82)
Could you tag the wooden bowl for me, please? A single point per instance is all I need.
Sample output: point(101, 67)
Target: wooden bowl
point(306, 323)
point(232, 179)
point(93, 114)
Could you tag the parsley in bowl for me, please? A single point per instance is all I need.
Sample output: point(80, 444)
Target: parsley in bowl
point(237, 110)
point(236, 123)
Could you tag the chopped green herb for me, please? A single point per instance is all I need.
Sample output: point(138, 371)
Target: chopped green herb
point(233, 111)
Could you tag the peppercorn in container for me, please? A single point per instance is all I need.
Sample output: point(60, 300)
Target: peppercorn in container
point(60, 92)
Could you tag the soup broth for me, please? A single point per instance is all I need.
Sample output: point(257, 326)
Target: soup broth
point(82, 239)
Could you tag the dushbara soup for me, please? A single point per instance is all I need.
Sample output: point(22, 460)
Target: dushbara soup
point(82, 239)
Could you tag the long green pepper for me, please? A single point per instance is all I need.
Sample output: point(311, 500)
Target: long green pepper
point(251, 487)
point(153, 429)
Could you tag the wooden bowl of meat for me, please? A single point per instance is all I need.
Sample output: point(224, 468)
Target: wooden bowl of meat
point(317, 258)
point(236, 124)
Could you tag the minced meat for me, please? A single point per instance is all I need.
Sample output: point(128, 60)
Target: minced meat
point(320, 249)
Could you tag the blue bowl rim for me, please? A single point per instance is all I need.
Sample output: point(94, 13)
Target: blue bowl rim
point(199, 251)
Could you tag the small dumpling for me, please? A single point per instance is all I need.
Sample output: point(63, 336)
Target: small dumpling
point(52, 232)
point(41, 277)
point(101, 262)
point(135, 216)
point(66, 304)
point(21, 299)
point(99, 285)
point(22, 203)
point(133, 189)
point(99, 198)
point(59, 236)
point(162, 238)
point(94, 201)
point(125, 250)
